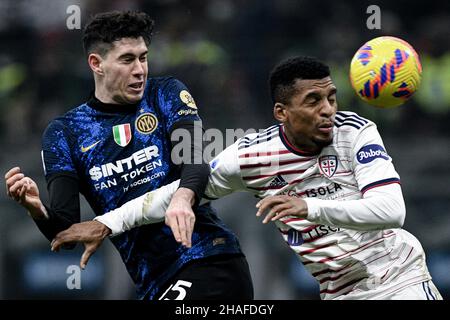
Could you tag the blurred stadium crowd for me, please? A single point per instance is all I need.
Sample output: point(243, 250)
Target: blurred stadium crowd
point(223, 51)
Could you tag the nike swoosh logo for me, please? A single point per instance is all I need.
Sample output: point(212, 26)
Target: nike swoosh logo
point(83, 149)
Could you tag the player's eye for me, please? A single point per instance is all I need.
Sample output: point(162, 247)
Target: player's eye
point(127, 59)
point(312, 99)
point(332, 98)
point(143, 58)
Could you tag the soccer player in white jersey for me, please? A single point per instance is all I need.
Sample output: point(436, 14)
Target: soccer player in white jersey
point(325, 180)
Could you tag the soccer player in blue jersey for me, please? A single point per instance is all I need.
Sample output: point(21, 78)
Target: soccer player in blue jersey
point(116, 147)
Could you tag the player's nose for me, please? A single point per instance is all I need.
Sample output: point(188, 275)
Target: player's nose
point(327, 108)
point(138, 69)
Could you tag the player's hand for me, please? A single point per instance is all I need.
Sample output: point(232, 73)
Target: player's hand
point(180, 217)
point(90, 233)
point(25, 191)
point(281, 206)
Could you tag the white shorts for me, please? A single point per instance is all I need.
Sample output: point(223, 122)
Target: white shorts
point(421, 291)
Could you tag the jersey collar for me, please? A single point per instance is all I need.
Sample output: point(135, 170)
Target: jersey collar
point(96, 104)
point(292, 148)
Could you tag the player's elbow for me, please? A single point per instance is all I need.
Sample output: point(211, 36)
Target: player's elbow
point(401, 214)
point(398, 212)
point(392, 204)
point(388, 206)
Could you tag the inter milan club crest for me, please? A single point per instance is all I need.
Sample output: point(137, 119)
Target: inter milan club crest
point(122, 134)
point(328, 165)
point(146, 123)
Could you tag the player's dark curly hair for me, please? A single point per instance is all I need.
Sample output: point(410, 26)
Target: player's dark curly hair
point(105, 28)
point(283, 76)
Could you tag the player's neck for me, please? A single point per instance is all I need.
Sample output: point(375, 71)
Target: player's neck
point(99, 105)
point(103, 96)
point(300, 146)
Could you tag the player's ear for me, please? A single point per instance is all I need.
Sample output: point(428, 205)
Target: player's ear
point(95, 63)
point(279, 111)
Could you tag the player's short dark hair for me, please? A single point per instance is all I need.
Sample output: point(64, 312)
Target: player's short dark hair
point(107, 27)
point(283, 76)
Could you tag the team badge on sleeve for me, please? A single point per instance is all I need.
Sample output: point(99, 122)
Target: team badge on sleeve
point(328, 165)
point(371, 152)
point(122, 134)
point(186, 97)
point(214, 163)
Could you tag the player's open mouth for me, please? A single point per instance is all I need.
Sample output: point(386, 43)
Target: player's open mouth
point(137, 86)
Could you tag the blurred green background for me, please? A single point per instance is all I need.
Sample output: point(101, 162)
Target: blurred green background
point(223, 51)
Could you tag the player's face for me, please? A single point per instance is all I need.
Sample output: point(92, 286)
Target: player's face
point(309, 115)
point(125, 70)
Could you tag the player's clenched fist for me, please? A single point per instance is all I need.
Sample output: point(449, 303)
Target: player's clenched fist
point(25, 191)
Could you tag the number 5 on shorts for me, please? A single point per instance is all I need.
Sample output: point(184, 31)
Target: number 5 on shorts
point(179, 286)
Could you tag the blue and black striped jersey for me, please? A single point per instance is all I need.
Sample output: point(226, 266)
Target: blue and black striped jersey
point(120, 155)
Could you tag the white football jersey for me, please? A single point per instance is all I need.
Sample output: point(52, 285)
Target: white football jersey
point(335, 242)
point(351, 240)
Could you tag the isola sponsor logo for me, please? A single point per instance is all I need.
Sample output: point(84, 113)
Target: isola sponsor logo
point(323, 191)
point(371, 152)
point(327, 192)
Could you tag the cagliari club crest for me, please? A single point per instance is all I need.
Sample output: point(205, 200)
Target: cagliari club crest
point(328, 165)
point(122, 134)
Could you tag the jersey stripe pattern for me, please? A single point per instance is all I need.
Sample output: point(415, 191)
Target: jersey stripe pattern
point(347, 264)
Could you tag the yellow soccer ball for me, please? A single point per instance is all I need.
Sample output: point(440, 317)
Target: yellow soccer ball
point(385, 72)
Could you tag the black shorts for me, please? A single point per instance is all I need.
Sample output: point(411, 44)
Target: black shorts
point(212, 278)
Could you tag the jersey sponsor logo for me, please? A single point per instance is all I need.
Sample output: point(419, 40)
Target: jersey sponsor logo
point(122, 134)
point(328, 165)
point(146, 123)
point(187, 112)
point(371, 152)
point(278, 182)
point(127, 164)
point(140, 181)
point(186, 97)
point(319, 231)
point(323, 191)
point(85, 149)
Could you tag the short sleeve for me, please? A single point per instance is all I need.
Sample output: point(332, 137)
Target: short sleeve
point(177, 104)
point(372, 164)
point(56, 151)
